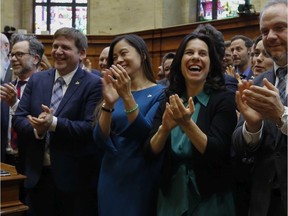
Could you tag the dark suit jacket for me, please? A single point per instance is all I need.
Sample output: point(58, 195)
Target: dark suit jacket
point(73, 154)
point(96, 72)
point(212, 169)
point(4, 127)
point(250, 75)
point(270, 159)
point(231, 83)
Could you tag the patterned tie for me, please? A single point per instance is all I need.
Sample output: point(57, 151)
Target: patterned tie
point(13, 141)
point(281, 73)
point(57, 94)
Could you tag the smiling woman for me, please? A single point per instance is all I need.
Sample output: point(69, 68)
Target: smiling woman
point(128, 177)
point(193, 129)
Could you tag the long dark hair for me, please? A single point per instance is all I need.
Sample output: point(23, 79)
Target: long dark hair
point(139, 44)
point(214, 80)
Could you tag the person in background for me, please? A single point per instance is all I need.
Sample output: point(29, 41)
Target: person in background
point(192, 129)
point(227, 59)
point(26, 54)
point(87, 65)
point(9, 31)
point(6, 71)
point(240, 48)
point(261, 133)
point(44, 64)
point(165, 64)
point(128, 179)
point(160, 73)
point(53, 122)
point(261, 61)
point(231, 83)
point(103, 59)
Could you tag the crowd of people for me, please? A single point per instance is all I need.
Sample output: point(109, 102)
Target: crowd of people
point(210, 138)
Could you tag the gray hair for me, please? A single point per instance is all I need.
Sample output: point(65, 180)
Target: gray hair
point(35, 46)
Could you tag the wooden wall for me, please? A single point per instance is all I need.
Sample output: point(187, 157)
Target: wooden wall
point(160, 41)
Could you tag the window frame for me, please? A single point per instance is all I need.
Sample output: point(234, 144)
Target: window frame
point(50, 4)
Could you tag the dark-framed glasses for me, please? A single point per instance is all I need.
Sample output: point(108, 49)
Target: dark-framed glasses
point(18, 55)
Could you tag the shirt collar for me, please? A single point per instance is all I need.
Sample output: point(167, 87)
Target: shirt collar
point(67, 78)
point(277, 66)
point(203, 98)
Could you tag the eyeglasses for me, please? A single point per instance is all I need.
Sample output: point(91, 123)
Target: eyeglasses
point(18, 55)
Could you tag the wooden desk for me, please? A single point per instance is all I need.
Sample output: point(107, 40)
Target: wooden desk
point(10, 203)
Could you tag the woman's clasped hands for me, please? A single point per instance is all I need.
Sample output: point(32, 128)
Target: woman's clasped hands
point(176, 113)
point(116, 83)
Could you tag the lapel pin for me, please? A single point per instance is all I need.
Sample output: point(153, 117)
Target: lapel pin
point(77, 83)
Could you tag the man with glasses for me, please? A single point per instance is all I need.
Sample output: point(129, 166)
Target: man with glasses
point(25, 56)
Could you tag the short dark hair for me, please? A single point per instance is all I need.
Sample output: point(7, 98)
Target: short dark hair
point(257, 39)
point(80, 39)
point(169, 55)
point(227, 43)
point(248, 41)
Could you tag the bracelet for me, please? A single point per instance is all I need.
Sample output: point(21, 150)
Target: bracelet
point(110, 110)
point(131, 110)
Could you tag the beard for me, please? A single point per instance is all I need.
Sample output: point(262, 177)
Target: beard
point(4, 53)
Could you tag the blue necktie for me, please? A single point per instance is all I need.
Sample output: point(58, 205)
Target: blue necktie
point(281, 73)
point(57, 94)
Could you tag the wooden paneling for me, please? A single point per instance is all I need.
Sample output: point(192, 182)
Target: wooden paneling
point(160, 41)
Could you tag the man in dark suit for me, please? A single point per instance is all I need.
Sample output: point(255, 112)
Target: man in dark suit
point(25, 56)
point(262, 130)
point(60, 159)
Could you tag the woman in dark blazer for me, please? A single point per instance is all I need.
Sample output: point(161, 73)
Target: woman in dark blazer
point(192, 130)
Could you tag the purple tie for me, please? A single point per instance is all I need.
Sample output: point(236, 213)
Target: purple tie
point(281, 73)
point(57, 94)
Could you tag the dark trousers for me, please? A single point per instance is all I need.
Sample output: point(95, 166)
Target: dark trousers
point(276, 204)
point(11, 159)
point(46, 200)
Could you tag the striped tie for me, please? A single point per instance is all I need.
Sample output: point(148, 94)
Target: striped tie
point(281, 73)
point(57, 94)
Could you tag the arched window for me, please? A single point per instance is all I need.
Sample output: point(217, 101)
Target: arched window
point(50, 15)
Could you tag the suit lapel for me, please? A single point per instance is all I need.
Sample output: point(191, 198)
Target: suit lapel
point(73, 86)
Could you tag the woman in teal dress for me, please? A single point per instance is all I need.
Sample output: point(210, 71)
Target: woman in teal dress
point(128, 181)
point(193, 129)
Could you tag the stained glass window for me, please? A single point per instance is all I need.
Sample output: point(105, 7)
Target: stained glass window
point(218, 9)
point(50, 15)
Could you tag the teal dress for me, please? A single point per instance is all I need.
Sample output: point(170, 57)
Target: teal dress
point(184, 198)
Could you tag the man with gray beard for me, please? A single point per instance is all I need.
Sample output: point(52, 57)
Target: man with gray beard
point(5, 72)
point(25, 56)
